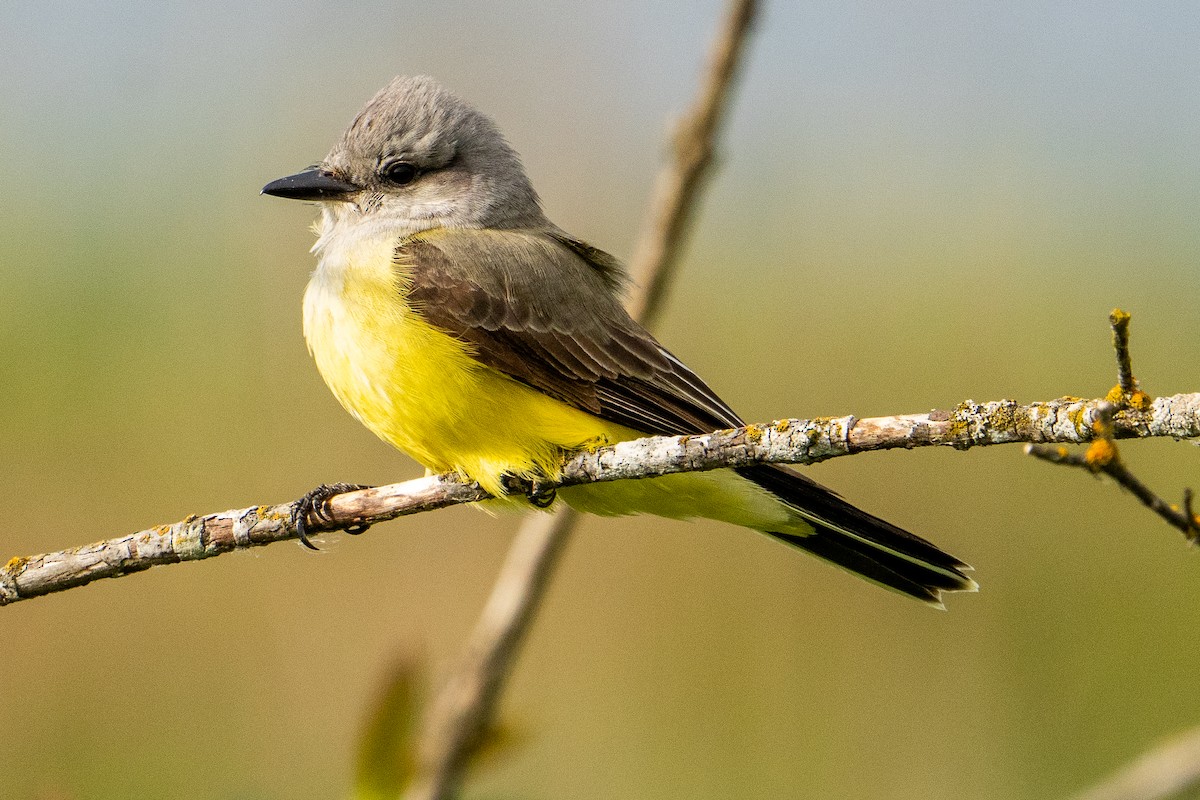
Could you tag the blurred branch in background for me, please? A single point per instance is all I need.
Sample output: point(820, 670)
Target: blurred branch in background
point(461, 712)
point(386, 750)
point(677, 189)
point(1166, 771)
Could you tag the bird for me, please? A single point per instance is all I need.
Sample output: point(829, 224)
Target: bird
point(454, 320)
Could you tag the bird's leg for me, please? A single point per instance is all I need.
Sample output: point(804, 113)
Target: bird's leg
point(311, 512)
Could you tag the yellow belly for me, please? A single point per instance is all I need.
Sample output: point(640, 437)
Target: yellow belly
point(419, 389)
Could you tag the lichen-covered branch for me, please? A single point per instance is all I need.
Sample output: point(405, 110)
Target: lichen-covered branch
point(199, 537)
point(970, 424)
point(1102, 455)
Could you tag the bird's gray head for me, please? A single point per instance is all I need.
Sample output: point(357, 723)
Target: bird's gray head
point(415, 158)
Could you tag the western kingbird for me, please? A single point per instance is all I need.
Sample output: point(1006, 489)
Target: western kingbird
point(459, 324)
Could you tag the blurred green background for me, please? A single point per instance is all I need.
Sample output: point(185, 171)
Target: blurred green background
point(916, 204)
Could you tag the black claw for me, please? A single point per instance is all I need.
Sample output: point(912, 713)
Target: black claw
point(537, 493)
point(541, 496)
point(302, 533)
point(311, 512)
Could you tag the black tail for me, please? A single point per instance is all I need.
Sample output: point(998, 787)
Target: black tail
point(856, 541)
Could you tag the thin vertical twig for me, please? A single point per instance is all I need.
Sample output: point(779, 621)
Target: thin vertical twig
point(1120, 334)
point(462, 711)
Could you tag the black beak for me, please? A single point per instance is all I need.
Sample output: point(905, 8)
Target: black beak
point(312, 184)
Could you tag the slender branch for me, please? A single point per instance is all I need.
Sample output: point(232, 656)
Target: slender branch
point(970, 424)
point(1102, 455)
point(1168, 770)
point(461, 712)
point(1185, 518)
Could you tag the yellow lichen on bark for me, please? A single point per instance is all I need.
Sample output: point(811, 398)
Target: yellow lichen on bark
point(15, 566)
point(1140, 401)
point(1100, 454)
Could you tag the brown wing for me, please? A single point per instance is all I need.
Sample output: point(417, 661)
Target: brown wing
point(542, 308)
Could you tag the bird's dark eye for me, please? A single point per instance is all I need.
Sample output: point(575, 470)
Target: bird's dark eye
point(399, 172)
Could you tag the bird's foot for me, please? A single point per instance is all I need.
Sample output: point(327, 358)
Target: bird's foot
point(312, 514)
point(537, 492)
